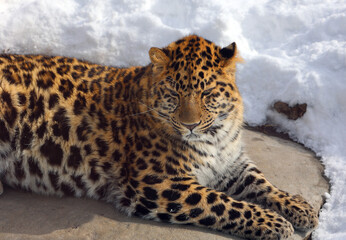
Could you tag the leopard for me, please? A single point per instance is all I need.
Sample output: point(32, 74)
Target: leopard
point(160, 142)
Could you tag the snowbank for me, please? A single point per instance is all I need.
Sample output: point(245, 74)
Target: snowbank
point(295, 51)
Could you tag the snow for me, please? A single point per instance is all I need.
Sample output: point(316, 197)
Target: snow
point(294, 51)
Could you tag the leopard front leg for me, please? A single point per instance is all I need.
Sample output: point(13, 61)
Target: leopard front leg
point(181, 200)
point(250, 184)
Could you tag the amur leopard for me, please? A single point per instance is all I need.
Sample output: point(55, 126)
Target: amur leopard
point(162, 142)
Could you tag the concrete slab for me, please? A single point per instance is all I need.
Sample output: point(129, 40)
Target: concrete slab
point(33, 217)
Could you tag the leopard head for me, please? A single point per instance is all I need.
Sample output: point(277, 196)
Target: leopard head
point(193, 90)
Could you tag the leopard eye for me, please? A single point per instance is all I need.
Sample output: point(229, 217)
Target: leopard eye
point(207, 92)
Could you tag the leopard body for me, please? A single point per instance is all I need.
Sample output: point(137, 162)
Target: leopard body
point(161, 141)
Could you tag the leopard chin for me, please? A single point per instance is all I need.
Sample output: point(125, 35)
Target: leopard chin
point(191, 137)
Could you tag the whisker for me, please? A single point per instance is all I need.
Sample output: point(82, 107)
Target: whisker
point(153, 109)
point(136, 114)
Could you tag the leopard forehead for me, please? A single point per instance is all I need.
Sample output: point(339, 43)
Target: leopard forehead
point(195, 63)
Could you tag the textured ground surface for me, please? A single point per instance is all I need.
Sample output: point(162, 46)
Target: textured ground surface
point(28, 216)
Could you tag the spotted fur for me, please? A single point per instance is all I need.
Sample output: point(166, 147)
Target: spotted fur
point(162, 141)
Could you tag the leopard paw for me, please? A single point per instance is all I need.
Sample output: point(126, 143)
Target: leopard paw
point(299, 212)
point(280, 228)
point(265, 224)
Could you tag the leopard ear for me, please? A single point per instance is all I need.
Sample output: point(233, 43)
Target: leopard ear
point(229, 56)
point(158, 56)
point(229, 51)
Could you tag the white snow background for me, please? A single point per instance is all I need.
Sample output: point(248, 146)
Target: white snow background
point(294, 51)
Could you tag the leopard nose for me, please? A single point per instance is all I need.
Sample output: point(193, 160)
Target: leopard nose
point(191, 126)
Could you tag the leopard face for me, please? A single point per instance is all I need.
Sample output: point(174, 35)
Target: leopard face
point(194, 92)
